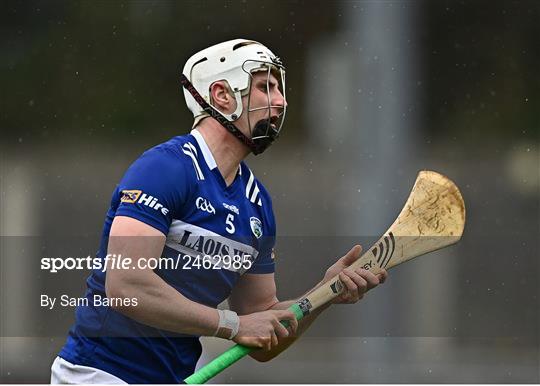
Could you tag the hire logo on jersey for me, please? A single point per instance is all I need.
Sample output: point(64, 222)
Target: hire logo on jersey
point(137, 196)
point(256, 226)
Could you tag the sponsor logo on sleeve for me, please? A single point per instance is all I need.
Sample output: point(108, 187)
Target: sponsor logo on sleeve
point(130, 196)
point(137, 196)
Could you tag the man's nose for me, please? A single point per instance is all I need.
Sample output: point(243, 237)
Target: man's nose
point(279, 99)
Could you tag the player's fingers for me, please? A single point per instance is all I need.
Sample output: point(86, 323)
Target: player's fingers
point(265, 343)
point(352, 298)
point(280, 330)
point(361, 283)
point(352, 255)
point(356, 289)
point(371, 279)
point(350, 286)
point(274, 341)
point(383, 275)
point(285, 315)
point(344, 297)
point(293, 326)
point(289, 317)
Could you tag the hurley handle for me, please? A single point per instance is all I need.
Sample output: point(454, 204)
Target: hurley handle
point(230, 356)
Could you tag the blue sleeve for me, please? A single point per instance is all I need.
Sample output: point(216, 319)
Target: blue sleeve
point(154, 189)
point(265, 260)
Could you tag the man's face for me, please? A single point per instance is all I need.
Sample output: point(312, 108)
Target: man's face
point(265, 101)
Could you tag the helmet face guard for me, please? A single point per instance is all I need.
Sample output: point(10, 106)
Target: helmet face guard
point(266, 131)
point(235, 62)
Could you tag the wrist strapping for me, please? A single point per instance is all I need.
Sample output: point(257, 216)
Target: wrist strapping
point(229, 321)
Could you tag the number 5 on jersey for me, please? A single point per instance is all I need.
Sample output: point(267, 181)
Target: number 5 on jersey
point(229, 221)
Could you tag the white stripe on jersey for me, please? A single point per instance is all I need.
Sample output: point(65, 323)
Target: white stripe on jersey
point(193, 148)
point(207, 154)
point(187, 151)
point(253, 196)
point(250, 182)
point(179, 230)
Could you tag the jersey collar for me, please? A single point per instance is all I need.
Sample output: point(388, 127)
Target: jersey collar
point(208, 157)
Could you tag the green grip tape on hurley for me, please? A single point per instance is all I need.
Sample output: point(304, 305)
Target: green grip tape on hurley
point(231, 356)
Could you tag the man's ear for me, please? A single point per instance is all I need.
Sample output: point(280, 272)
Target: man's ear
point(222, 98)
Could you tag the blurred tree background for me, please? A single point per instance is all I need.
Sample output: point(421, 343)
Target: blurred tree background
point(103, 70)
point(100, 70)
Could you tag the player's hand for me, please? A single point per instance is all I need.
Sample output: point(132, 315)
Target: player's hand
point(356, 281)
point(262, 329)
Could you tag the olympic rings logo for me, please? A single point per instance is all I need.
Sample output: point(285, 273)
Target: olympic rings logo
point(204, 205)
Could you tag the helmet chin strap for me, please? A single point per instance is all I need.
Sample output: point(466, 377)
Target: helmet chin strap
point(258, 145)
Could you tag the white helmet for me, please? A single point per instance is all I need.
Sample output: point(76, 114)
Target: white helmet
point(233, 61)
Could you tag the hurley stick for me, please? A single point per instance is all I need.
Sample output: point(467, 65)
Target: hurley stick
point(433, 218)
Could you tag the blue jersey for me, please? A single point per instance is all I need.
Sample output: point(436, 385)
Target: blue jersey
point(214, 234)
